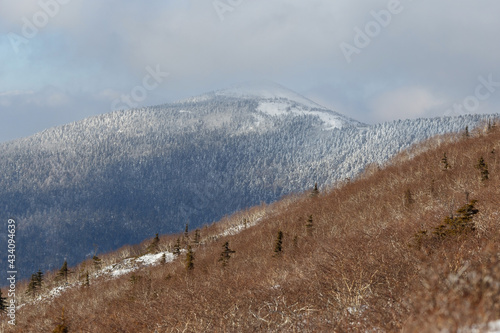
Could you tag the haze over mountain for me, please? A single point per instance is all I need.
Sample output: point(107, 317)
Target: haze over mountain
point(120, 177)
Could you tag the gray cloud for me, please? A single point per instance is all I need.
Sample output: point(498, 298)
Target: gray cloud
point(427, 58)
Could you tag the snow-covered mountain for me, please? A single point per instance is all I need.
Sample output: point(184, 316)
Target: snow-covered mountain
point(120, 177)
point(276, 100)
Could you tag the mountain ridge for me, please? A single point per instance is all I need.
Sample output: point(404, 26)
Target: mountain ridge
point(118, 178)
point(378, 253)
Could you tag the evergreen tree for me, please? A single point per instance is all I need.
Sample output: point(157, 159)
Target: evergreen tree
point(465, 215)
point(35, 284)
point(466, 134)
point(483, 168)
point(225, 254)
point(32, 286)
point(3, 303)
point(309, 225)
point(63, 272)
point(460, 224)
point(189, 258)
point(39, 279)
point(177, 247)
point(315, 191)
point(163, 258)
point(97, 262)
point(278, 243)
point(154, 247)
point(444, 160)
point(186, 231)
point(197, 236)
point(87, 280)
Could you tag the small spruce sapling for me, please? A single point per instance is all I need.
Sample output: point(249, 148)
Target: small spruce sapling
point(452, 226)
point(177, 247)
point(483, 168)
point(32, 286)
point(225, 254)
point(278, 244)
point(63, 272)
point(186, 233)
point(197, 236)
point(154, 247)
point(87, 280)
point(309, 225)
point(460, 224)
point(39, 278)
point(315, 191)
point(445, 163)
point(189, 258)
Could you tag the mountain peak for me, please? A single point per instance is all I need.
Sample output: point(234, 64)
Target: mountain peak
point(274, 99)
point(265, 89)
point(261, 89)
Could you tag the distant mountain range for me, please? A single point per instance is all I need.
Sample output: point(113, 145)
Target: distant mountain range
point(121, 177)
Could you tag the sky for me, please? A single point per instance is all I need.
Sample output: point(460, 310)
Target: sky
point(375, 61)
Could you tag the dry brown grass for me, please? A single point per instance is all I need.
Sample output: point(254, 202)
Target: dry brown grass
point(356, 269)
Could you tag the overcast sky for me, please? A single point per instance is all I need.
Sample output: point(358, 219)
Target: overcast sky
point(64, 60)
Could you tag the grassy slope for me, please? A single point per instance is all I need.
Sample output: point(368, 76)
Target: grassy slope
point(356, 268)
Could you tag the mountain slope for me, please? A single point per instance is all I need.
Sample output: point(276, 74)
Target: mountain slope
point(380, 253)
point(118, 178)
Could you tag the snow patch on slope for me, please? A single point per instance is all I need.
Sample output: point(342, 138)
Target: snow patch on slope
point(236, 229)
point(131, 264)
point(279, 108)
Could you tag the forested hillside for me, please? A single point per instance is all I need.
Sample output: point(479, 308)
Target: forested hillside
point(413, 246)
point(118, 178)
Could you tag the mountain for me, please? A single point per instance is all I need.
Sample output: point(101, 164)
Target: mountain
point(276, 100)
point(412, 247)
point(120, 177)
